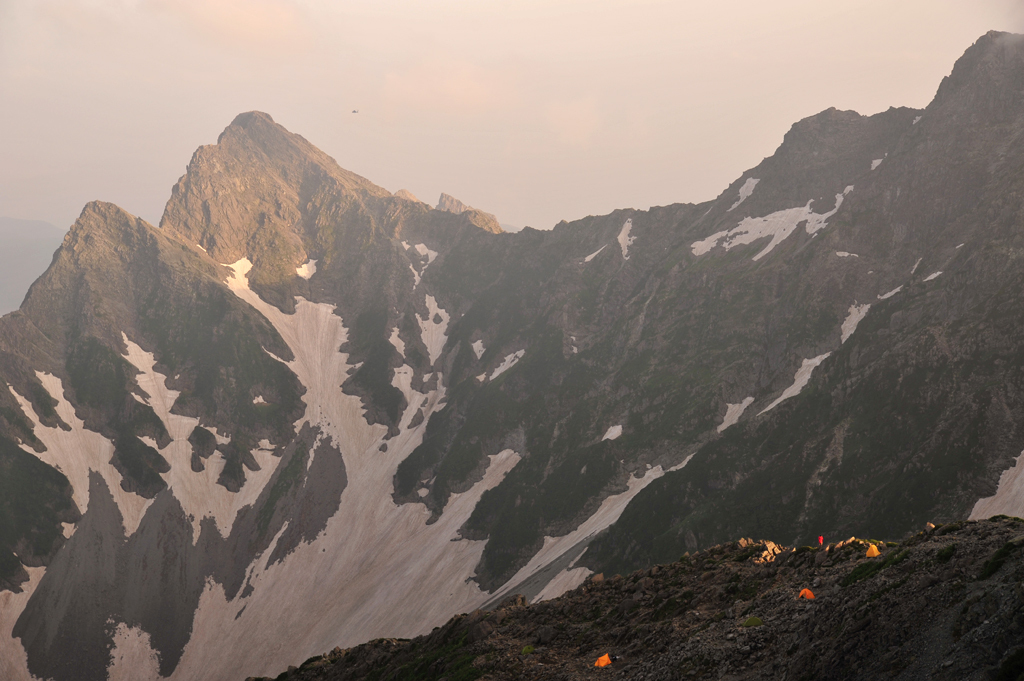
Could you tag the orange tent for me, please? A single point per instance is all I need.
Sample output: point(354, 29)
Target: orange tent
point(873, 551)
point(807, 593)
point(603, 661)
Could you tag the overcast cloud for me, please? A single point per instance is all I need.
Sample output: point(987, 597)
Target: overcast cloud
point(533, 110)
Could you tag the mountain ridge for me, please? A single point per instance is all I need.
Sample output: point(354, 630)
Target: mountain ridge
point(940, 604)
point(299, 373)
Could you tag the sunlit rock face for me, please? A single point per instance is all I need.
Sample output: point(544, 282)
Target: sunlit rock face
point(304, 412)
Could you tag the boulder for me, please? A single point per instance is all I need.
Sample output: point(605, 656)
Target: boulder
point(480, 631)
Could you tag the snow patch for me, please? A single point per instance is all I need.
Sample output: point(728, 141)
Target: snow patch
point(933, 275)
point(397, 342)
point(510, 361)
point(958, 247)
point(681, 464)
point(914, 268)
point(462, 504)
point(306, 271)
point(133, 657)
point(844, 254)
point(564, 581)
point(853, 318)
point(890, 294)
point(201, 248)
point(388, 573)
point(1009, 496)
point(624, 239)
point(478, 348)
point(733, 412)
point(423, 250)
point(777, 225)
point(612, 433)
point(433, 333)
point(259, 400)
point(916, 120)
point(13, 658)
point(877, 162)
point(803, 376)
point(198, 493)
point(607, 513)
point(594, 254)
point(314, 333)
point(77, 452)
point(745, 191)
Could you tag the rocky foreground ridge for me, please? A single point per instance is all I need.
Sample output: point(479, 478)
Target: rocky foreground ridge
point(946, 603)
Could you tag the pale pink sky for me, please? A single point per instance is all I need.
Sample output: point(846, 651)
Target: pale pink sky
point(535, 110)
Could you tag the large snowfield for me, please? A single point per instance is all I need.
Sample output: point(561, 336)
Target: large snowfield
point(377, 569)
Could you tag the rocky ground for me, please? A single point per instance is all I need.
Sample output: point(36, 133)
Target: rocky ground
point(946, 603)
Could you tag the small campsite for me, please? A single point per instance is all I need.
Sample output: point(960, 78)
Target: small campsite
point(945, 603)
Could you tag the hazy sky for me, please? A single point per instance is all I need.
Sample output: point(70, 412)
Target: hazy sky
point(535, 110)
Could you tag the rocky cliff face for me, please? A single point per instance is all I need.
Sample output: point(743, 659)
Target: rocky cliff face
point(305, 412)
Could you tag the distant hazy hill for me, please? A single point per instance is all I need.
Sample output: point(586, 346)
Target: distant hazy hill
point(26, 249)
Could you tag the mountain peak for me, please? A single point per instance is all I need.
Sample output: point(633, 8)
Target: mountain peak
point(102, 217)
point(251, 118)
point(407, 195)
point(451, 204)
point(988, 80)
point(257, 177)
point(482, 219)
point(254, 136)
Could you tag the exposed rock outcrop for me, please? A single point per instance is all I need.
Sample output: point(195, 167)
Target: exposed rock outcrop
point(484, 220)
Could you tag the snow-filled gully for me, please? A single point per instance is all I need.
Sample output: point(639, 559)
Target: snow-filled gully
point(79, 451)
point(1009, 496)
point(778, 225)
point(381, 565)
point(377, 569)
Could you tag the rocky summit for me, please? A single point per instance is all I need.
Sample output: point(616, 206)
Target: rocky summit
point(946, 603)
point(305, 412)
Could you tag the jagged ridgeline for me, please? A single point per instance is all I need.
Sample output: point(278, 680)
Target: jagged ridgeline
point(306, 412)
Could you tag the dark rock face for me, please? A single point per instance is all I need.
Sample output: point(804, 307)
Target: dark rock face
point(944, 604)
point(34, 500)
point(925, 395)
